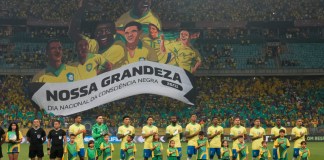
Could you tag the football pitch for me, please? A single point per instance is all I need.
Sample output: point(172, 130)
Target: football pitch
point(316, 148)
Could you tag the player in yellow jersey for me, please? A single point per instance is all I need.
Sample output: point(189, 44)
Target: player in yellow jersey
point(56, 71)
point(147, 133)
point(237, 131)
point(174, 132)
point(154, 39)
point(103, 36)
point(299, 134)
point(275, 134)
point(185, 55)
point(79, 131)
point(134, 50)
point(215, 134)
point(140, 13)
point(89, 65)
point(123, 131)
point(257, 134)
point(192, 131)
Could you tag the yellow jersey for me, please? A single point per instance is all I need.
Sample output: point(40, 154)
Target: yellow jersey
point(275, 131)
point(164, 58)
point(185, 56)
point(235, 131)
point(73, 129)
point(129, 130)
point(118, 54)
point(149, 129)
point(64, 73)
point(145, 20)
point(255, 132)
point(297, 131)
point(90, 68)
point(174, 129)
point(93, 44)
point(216, 142)
point(192, 129)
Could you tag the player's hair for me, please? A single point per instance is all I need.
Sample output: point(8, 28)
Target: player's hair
point(151, 24)
point(282, 131)
point(131, 137)
point(173, 116)
point(50, 42)
point(126, 117)
point(257, 119)
point(181, 30)
point(193, 114)
point(264, 142)
point(239, 137)
point(170, 142)
point(215, 117)
point(111, 25)
point(237, 118)
point(76, 116)
point(90, 142)
point(72, 135)
point(223, 143)
point(201, 133)
point(303, 142)
point(107, 134)
point(17, 129)
point(36, 119)
point(298, 119)
point(154, 137)
point(278, 118)
point(98, 116)
point(149, 118)
point(133, 23)
point(58, 121)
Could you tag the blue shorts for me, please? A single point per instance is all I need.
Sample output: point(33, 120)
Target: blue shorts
point(234, 153)
point(274, 154)
point(122, 154)
point(81, 153)
point(180, 152)
point(255, 153)
point(213, 151)
point(147, 153)
point(191, 150)
point(296, 152)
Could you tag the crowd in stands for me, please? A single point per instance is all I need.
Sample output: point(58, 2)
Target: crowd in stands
point(223, 97)
point(172, 10)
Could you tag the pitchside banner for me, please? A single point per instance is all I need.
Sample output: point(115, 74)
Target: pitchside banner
point(142, 77)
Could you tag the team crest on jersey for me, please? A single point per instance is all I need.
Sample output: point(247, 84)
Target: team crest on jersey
point(38, 136)
point(89, 67)
point(141, 59)
point(159, 41)
point(70, 77)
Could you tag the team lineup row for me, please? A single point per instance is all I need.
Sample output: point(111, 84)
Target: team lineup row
point(203, 147)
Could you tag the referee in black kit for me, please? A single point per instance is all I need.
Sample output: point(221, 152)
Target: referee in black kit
point(56, 141)
point(36, 136)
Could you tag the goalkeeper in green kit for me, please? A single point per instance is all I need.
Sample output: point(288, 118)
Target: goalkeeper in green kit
point(98, 132)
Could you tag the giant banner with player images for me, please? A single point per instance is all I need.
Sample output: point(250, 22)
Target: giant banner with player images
point(142, 77)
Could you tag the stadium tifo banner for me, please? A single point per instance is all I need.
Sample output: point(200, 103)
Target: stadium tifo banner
point(143, 77)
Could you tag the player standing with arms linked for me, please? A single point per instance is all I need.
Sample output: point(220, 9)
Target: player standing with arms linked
point(98, 131)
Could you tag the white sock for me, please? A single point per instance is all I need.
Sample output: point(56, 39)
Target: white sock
point(253, 158)
point(188, 158)
point(294, 158)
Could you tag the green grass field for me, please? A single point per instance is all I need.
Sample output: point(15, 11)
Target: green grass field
point(316, 148)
